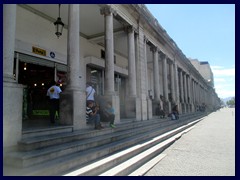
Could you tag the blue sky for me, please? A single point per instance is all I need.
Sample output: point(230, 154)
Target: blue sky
point(205, 32)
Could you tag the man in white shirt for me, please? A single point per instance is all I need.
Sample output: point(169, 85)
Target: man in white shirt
point(53, 93)
point(90, 92)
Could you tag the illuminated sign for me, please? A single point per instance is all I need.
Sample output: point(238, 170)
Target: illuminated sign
point(39, 51)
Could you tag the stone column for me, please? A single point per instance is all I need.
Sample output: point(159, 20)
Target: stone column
point(73, 99)
point(131, 63)
point(141, 102)
point(194, 92)
point(130, 107)
point(197, 93)
point(185, 92)
point(181, 88)
point(173, 85)
point(149, 101)
point(191, 93)
point(109, 92)
point(165, 83)
point(156, 75)
point(12, 92)
point(109, 50)
point(139, 72)
point(9, 28)
point(176, 84)
point(73, 54)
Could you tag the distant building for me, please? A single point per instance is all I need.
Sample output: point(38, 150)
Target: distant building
point(204, 69)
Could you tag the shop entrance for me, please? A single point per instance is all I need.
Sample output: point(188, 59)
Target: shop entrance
point(37, 79)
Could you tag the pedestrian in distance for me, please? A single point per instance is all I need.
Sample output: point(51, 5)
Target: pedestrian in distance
point(175, 113)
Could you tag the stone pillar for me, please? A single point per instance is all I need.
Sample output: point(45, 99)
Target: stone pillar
point(141, 101)
point(73, 99)
point(109, 50)
point(12, 92)
point(185, 92)
point(165, 83)
point(197, 93)
point(156, 85)
point(194, 92)
point(131, 63)
point(191, 93)
point(181, 88)
point(9, 28)
point(149, 101)
point(194, 96)
point(130, 106)
point(109, 92)
point(138, 78)
point(156, 75)
point(173, 83)
point(176, 84)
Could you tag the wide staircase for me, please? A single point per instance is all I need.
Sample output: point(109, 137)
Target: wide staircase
point(107, 152)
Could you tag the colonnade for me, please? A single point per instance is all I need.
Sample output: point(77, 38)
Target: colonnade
point(179, 85)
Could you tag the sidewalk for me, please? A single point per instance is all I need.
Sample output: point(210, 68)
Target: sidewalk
point(206, 150)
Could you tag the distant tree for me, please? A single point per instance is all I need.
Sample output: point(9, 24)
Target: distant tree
point(231, 102)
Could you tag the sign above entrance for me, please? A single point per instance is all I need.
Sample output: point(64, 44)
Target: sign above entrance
point(39, 51)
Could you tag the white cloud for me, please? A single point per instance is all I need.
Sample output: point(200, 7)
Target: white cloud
point(223, 72)
point(217, 67)
point(224, 81)
point(216, 80)
point(223, 93)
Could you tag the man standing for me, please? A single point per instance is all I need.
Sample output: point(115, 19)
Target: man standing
point(90, 92)
point(53, 93)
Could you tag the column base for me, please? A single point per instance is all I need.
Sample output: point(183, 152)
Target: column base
point(130, 107)
point(155, 107)
point(12, 113)
point(149, 108)
point(73, 109)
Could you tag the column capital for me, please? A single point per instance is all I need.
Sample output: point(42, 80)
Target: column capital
point(130, 29)
point(145, 39)
point(154, 48)
point(163, 55)
point(107, 10)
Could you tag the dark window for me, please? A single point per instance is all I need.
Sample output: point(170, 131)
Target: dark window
point(102, 54)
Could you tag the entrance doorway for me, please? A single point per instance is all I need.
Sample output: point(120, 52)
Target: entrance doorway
point(37, 79)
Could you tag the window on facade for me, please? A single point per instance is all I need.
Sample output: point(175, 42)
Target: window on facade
point(102, 54)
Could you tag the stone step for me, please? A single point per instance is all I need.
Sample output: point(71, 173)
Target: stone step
point(46, 131)
point(25, 159)
point(56, 162)
point(127, 167)
point(28, 144)
point(126, 157)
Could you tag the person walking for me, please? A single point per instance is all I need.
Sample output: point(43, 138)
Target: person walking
point(54, 95)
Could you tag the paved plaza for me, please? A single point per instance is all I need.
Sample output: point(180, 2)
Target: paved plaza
point(207, 150)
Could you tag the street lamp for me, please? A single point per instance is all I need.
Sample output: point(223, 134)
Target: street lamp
point(59, 24)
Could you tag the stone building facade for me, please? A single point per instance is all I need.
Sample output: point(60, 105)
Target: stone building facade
point(121, 48)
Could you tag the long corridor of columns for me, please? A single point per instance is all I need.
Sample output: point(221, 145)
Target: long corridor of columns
point(155, 68)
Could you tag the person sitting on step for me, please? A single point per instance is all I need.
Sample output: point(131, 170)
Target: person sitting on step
point(92, 116)
point(107, 114)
